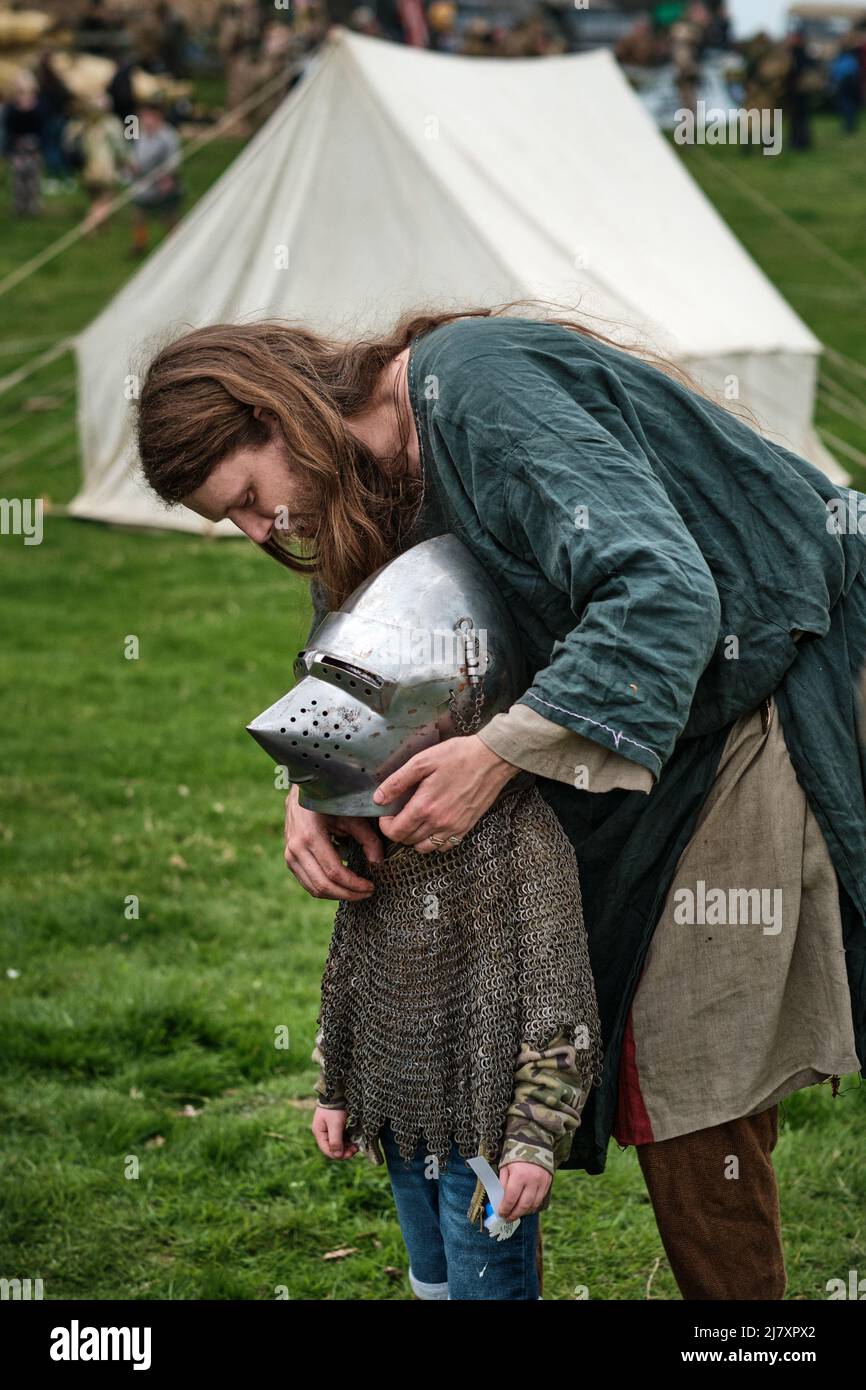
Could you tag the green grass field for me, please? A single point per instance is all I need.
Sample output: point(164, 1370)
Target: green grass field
point(155, 1140)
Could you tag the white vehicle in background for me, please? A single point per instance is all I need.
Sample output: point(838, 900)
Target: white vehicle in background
point(824, 25)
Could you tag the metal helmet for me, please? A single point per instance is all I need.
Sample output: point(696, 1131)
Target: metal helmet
point(423, 650)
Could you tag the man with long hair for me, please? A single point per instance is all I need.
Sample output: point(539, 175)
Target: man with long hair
point(692, 604)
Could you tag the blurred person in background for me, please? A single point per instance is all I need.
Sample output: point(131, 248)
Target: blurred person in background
point(97, 137)
point(120, 89)
point(153, 164)
point(173, 39)
point(56, 100)
point(239, 42)
point(240, 29)
point(531, 38)
point(800, 82)
point(641, 47)
point(98, 30)
point(719, 29)
point(689, 37)
point(146, 38)
point(442, 22)
point(309, 31)
point(477, 39)
point(858, 34)
point(362, 20)
point(341, 11)
point(845, 81)
point(413, 23)
point(279, 48)
point(686, 37)
point(23, 132)
point(767, 66)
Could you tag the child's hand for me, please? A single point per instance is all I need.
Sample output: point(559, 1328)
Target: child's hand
point(526, 1186)
point(328, 1129)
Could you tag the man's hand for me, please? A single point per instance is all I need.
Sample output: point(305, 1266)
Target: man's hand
point(526, 1186)
point(312, 858)
point(457, 781)
point(329, 1127)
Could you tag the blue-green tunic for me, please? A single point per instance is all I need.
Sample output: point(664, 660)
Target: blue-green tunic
point(658, 555)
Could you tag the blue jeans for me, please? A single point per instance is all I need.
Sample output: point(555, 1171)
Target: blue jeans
point(448, 1256)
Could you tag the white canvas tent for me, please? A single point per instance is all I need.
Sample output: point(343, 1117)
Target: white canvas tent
point(393, 177)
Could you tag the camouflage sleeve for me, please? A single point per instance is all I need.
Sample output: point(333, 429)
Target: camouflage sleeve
point(337, 1100)
point(545, 1107)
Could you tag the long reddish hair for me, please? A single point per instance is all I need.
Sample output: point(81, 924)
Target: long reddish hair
point(197, 402)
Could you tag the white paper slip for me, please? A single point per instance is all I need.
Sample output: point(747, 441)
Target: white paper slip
point(493, 1223)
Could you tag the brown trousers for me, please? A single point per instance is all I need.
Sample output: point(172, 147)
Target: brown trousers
point(719, 1218)
point(722, 1233)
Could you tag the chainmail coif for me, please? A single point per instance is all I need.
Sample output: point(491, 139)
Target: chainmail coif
point(433, 982)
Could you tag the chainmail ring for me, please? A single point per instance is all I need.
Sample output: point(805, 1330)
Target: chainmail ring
point(434, 982)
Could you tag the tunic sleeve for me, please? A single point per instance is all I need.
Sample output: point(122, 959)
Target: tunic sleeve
point(528, 740)
point(588, 514)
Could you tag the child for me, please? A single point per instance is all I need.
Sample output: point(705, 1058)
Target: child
point(24, 120)
point(154, 162)
point(459, 1019)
